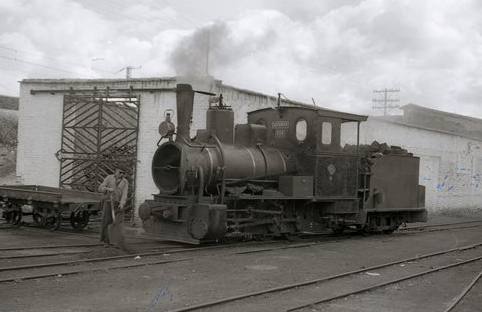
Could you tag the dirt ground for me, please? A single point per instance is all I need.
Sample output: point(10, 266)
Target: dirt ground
point(217, 274)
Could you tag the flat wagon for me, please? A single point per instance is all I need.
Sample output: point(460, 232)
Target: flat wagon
point(48, 205)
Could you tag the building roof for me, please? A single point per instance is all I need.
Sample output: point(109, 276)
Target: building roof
point(63, 84)
point(325, 112)
point(436, 120)
point(418, 108)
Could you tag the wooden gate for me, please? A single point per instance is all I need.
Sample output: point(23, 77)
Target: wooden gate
point(99, 132)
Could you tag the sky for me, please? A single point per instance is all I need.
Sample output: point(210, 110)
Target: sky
point(334, 53)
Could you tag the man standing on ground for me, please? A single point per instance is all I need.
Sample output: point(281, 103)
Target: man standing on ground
point(114, 187)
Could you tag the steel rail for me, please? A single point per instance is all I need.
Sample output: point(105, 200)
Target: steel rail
point(435, 225)
point(43, 255)
point(100, 259)
point(437, 230)
point(464, 292)
point(318, 280)
point(147, 254)
point(154, 253)
point(39, 229)
point(394, 281)
point(164, 251)
point(91, 234)
point(50, 246)
point(35, 276)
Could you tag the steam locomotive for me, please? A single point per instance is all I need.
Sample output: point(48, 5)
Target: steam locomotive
point(283, 173)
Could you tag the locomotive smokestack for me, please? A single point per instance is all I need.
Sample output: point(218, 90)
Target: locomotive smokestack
point(184, 105)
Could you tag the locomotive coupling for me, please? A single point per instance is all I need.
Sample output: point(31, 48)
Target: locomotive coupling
point(148, 208)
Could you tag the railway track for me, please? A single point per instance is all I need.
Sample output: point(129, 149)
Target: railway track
point(462, 295)
point(277, 293)
point(257, 247)
point(162, 251)
point(273, 245)
point(170, 255)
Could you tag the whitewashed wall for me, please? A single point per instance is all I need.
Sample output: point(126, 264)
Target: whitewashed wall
point(39, 137)
point(451, 166)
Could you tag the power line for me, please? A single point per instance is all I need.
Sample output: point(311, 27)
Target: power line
point(40, 65)
point(386, 99)
point(190, 21)
point(51, 58)
point(127, 13)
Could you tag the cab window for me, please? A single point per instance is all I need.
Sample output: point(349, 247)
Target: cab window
point(326, 129)
point(301, 129)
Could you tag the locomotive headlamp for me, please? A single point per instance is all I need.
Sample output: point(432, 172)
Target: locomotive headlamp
point(167, 128)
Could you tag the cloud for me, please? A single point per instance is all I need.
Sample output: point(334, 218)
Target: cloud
point(335, 52)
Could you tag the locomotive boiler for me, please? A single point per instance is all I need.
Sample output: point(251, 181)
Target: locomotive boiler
point(283, 173)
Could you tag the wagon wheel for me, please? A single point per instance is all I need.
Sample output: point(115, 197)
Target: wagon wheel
point(14, 215)
point(291, 237)
point(37, 218)
point(79, 219)
point(262, 237)
point(53, 222)
point(364, 230)
point(338, 229)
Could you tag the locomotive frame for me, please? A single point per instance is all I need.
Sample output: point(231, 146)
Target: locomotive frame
point(283, 173)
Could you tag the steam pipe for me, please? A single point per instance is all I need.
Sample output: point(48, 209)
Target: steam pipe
point(183, 139)
point(223, 157)
point(201, 185)
point(265, 161)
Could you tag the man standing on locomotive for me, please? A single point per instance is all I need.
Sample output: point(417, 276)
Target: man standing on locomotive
point(114, 188)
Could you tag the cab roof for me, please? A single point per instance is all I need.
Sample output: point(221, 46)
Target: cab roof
point(320, 111)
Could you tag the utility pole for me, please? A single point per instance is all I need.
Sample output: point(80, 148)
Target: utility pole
point(385, 98)
point(128, 70)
